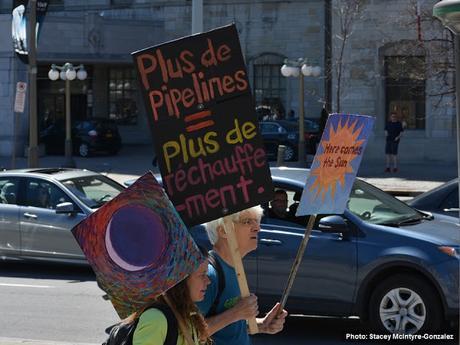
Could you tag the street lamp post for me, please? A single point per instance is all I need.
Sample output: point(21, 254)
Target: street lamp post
point(448, 11)
point(67, 72)
point(32, 154)
point(300, 68)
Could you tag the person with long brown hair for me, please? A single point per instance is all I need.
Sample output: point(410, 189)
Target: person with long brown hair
point(152, 327)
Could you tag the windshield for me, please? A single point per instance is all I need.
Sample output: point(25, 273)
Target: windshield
point(377, 207)
point(93, 191)
point(292, 127)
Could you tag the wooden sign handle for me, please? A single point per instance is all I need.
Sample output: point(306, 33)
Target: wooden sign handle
point(297, 262)
point(229, 229)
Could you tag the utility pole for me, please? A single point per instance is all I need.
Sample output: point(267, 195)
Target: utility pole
point(32, 71)
point(197, 16)
point(328, 54)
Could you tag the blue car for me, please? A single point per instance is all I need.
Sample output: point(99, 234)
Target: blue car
point(382, 260)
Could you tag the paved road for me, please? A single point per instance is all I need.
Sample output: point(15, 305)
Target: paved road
point(52, 305)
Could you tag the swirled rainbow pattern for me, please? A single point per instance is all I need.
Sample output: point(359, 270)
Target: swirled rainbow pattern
point(137, 245)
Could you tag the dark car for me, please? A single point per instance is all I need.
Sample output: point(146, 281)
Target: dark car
point(442, 199)
point(381, 260)
point(88, 136)
point(284, 132)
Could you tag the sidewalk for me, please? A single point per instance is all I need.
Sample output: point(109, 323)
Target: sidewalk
point(412, 179)
point(135, 160)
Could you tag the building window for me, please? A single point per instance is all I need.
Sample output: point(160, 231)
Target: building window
point(122, 95)
point(268, 83)
point(405, 89)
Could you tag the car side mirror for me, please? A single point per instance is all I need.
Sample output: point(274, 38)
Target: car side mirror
point(65, 208)
point(333, 224)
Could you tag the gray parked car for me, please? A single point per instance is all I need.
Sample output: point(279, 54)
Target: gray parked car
point(39, 207)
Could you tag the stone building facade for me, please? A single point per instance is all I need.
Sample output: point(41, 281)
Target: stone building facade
point(101, 34)
point(396, 60)
point(389, 64)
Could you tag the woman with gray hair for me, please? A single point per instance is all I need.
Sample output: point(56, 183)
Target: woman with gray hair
point(225, 311)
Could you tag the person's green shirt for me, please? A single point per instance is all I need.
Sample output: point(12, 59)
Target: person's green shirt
point(152, 328)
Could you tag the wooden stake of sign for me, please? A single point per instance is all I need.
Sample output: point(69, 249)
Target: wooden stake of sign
point(180, 321)
point(239, 268)
point(297, 262)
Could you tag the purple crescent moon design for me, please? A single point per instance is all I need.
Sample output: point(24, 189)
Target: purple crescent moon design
point(135, 238)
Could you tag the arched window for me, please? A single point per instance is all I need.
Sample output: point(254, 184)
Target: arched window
point(269, 86)
point(405, 80)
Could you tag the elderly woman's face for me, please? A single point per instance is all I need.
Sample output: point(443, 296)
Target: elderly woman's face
point(246, 232)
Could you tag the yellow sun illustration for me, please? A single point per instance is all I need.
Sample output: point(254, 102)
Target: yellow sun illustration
point(335, 160)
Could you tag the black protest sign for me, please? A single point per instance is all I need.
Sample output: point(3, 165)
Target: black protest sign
point(204, 127)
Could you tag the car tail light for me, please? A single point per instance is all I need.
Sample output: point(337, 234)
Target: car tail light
point(92, 133)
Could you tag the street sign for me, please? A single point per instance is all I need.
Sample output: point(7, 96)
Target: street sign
point(20, 98)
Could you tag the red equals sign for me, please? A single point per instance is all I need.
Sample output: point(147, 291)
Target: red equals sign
point(198, 116)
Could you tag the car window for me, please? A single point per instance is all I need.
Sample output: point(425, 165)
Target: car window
point(44, 194)
point(93, 191)
point(290, 220)
point(84, 126)
point(9, 187)
point(375, 206)
point(311, 126)
point(451, 201)
point(269, 128)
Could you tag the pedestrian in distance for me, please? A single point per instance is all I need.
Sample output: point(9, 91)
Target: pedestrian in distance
point(158, 323)
point(393, 131)
point(225, 311)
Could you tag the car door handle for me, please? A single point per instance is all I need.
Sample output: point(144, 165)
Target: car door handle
point(269, 242)
point(30, 215)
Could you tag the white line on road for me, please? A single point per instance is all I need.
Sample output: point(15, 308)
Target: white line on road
point(18, 341)
point(29, 286)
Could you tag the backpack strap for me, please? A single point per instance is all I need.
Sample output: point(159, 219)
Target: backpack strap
point(122, 333)
point(214, 261)
point(172, 332)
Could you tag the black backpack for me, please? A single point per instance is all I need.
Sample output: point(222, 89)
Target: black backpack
point(212, 257)
point(122, 333)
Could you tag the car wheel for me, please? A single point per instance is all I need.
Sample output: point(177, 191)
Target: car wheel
point(289, 153)
point(83, 150)
point(404, 304)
